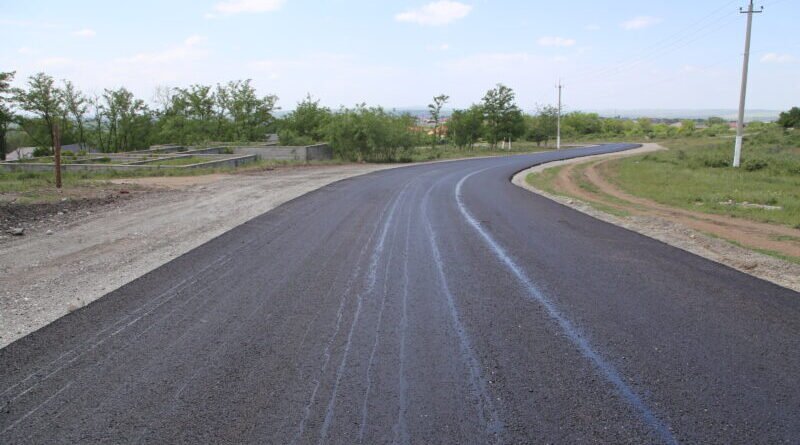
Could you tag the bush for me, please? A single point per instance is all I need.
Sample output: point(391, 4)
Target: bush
point(290, 137)
point(371, 134)
point(39, 152)
point(752, 165)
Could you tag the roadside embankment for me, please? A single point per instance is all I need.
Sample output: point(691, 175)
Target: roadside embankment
point(768, 251)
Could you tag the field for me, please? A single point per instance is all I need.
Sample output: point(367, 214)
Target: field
point(696, 174)
point(693, 184)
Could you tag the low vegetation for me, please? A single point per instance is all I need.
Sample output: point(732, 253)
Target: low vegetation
point(696, 174)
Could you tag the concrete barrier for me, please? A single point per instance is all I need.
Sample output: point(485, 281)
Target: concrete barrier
point(288, 153)
point(233, 161)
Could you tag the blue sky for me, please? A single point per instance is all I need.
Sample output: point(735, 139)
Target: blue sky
point(612, 55)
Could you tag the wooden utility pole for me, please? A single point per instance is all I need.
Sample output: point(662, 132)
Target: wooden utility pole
point(57, 154)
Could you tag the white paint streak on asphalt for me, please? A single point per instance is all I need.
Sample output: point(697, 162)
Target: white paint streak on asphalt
point(572, 332)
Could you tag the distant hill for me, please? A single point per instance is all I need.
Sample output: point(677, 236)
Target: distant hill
point(728, 114)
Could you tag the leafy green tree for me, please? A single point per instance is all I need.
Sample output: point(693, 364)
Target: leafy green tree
point(645, 126)
point(6, 113)
point(250, 115)
point(465, 127)
point(370, 134)
point(712, 121)
point(790, 119)
point(688, 127)
point(583, 123)
point(44, 100)
point(76, 105)
point(435, 109)
point(123, 122)
point(503, 119)
point(306, 124)
point(543, 125)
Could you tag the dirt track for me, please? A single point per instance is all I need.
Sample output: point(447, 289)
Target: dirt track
point(748, 233)
point(43, 277)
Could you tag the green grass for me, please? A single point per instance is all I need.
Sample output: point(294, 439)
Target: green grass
point(544, 181)
point(695, 174)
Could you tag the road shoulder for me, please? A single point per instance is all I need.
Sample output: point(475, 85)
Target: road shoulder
point(76, 257)
point(667, 230)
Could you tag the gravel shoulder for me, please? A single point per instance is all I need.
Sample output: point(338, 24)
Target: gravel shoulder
point(671, 227)
point(92, 252)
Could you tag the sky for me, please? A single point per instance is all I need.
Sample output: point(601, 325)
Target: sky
point(622, 55)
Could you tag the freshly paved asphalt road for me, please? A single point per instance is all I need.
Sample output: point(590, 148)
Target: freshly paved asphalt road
point(429, 304)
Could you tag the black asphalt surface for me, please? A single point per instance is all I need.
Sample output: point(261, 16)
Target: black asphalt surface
point(433, 304)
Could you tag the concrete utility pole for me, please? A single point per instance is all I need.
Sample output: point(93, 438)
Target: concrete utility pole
point(737, 151)
point(558, 119)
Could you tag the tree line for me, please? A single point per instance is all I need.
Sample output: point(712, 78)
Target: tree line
point(117, 121)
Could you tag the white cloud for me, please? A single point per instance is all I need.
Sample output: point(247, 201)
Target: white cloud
point(188, 50)
point(555, 41)
point(231, 7)
point(441, 47)
point(640, 22)
point(51, 62)
point(85, 32)
point(777, 58)
point(26, 51)
point(194, 40)
point(435, 14)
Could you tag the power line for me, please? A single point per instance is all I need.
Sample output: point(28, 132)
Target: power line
point(655, 53)
point(655, 49)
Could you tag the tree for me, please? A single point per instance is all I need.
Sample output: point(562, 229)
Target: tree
point(435, 109)
point(465, 127)
point(123, 121)
point(45, 101)
point(790, 119)
point(503, 117)
point(543, 126)
point(370, 134)
point(250, 115)
point(6, 113)
point(77, 105)
point(688, 127)
point(306, 124)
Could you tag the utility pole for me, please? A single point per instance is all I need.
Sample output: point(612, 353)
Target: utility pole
point(558, 119)
point(737, 152)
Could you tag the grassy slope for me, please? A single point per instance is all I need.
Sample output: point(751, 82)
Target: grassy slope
point(695, 174)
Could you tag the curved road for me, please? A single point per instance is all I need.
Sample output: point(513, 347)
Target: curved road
point(428, 304)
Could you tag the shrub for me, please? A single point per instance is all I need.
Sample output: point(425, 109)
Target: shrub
point(39, 152)
point(752, 165)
